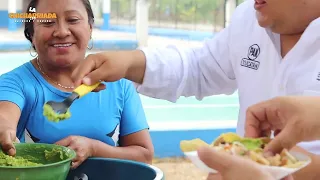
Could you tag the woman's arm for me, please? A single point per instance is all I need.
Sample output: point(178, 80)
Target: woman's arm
point(12, 101)
point(137, 146)
point(9, 115)
point(135, 141)
point(9, 118)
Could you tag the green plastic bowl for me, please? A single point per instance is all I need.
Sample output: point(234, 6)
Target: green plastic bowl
point(53, 168)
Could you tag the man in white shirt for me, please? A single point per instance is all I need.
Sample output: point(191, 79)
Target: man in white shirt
point(271, 48)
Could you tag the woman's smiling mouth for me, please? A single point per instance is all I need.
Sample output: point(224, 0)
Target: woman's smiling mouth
point(62, 45)
point(62, 48)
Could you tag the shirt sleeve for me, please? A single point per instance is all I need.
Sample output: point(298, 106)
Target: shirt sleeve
point(11, 90)
point(133, 118)
point(202, 71)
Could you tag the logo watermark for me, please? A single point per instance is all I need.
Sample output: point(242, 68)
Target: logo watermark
point(32, 16)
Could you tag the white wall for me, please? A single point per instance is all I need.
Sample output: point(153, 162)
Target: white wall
point(4, 5)
point(19, 5)
point(97, 6)
point(142, 19)
point(230, 7)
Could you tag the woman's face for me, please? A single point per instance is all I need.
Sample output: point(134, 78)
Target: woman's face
point(62, 41)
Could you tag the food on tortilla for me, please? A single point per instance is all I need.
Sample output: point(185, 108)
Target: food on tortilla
point(250, 148)
point(249, 143)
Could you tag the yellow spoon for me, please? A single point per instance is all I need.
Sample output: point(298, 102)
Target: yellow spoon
point(56, 111)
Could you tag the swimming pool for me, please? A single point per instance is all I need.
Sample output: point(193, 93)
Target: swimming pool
point(170, 122)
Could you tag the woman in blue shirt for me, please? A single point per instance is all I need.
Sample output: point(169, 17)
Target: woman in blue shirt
point(110, 123)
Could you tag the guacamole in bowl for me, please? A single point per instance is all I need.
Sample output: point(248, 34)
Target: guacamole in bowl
point(36, 161)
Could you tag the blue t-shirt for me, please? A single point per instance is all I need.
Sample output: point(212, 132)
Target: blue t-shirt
point(105, 115)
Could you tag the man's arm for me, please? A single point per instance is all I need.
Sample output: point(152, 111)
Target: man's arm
point(312, 171)
point(202, 71)
point(170, 72)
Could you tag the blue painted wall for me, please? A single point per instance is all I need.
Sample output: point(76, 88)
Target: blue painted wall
point(106, 21)
point(4, 19)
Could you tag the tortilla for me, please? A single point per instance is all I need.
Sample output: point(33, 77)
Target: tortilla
point(192, 145)
point(228, 137)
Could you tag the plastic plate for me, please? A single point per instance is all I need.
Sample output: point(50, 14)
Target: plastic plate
point(276, 172)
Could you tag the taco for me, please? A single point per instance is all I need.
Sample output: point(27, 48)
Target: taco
point(250, 148)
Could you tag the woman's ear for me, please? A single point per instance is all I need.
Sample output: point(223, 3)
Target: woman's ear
point(32, 42)
point(90, 31)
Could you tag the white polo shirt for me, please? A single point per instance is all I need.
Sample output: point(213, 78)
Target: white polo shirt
point(243, 57)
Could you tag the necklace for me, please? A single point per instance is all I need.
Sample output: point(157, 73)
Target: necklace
point(66, 87)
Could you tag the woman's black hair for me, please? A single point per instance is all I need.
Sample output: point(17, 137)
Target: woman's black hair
point(28, 25)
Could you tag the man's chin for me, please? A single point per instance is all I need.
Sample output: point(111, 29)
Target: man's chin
point(264, 25)
point(262, 20)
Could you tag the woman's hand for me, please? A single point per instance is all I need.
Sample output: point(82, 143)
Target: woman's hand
point(7, 138)
point(81, 145)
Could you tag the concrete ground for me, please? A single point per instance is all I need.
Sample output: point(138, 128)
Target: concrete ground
point(179, 169)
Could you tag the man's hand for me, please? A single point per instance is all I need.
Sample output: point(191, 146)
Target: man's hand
point(231, 167)
point(109, 67)
point(294, 119)
point(81, 145)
